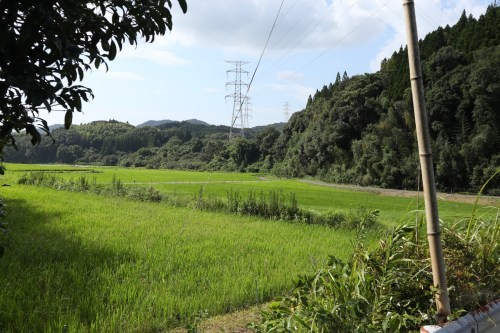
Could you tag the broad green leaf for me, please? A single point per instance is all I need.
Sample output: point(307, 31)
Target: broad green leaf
point(68, 119)
point(112, 50)
point(183, 5)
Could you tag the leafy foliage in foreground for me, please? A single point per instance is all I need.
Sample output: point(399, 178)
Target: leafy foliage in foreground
point(272, 205)
point(388, 289)
point(47, 46)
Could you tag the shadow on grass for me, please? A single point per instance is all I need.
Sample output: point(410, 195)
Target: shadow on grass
point(49, 277)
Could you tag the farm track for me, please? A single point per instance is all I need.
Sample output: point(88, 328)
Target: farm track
point(455, 197)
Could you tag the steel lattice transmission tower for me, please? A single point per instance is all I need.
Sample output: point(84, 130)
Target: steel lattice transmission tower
point(286, 111)
point(240, 101)
point(247, 108)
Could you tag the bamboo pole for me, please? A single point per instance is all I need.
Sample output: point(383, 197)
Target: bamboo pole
point(425, 154)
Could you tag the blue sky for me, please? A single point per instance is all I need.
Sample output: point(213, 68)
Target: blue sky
point(183, 75)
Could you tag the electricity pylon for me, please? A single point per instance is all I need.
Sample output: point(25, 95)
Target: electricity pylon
point(239, 116)
point(286, 111)
point(247, 108)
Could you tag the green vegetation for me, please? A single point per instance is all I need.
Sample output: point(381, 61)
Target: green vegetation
point(111, 262)
point(3, 226)
point(46, 48)
point(356, 130)
point(183, 186)
point(273, 205)
point(107, 264)
point(117, 258)
point(386, 289)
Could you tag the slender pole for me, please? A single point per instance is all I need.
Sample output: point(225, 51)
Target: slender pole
point(424, 149)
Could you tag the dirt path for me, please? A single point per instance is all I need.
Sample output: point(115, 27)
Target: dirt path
point(235, 322)
point(484, 200)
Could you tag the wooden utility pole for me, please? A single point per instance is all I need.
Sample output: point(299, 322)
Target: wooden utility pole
point(424, 149)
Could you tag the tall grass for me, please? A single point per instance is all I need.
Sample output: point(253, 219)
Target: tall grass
point(388, 289)
point(273, 205)
point(3, 227)
point(100, 264)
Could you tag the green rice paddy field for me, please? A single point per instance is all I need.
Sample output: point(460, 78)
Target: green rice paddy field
point(99, 264)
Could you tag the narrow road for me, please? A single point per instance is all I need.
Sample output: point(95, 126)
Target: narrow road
point(456, 197)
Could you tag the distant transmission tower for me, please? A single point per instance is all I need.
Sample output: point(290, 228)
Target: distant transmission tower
point(240, 108)
point(286, 111)
point(247, 109)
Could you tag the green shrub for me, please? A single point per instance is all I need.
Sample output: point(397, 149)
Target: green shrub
point(389, 288)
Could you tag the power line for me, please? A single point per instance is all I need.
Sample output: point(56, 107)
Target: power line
point(241, 100)
point(313, 40)
point(337, 42)
point(265, 46)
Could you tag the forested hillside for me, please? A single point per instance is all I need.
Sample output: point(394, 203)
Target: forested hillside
point(357, 129)
point(180, 145)
point(361, 129)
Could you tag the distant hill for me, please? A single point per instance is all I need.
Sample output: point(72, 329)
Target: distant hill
point(278, 126)
point(55, 126)
point(154, 123)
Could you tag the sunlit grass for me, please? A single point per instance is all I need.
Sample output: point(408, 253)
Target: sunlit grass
point(133, 175)
point(109, 264)
point(101, 264)
point(189, 184)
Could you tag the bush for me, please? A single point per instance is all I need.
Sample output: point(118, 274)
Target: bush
point(276, 205)
point(388, 289)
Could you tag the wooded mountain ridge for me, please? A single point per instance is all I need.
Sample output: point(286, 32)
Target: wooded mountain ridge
point(357, 129)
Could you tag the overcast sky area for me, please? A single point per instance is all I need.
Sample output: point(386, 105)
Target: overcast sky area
point(182, 75)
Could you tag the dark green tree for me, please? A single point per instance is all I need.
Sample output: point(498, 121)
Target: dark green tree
point(47, 45)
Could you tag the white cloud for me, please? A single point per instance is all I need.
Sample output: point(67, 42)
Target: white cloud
point(295, 91)
point(244, 25)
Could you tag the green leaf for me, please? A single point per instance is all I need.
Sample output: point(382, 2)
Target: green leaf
point(112, 50)
point(105, 44)
point(97, 62)
point(80, 72)
point(183, 5)
point(35, 135)
point(68, 119)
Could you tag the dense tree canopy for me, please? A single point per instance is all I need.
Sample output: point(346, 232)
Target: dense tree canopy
point(47, 45)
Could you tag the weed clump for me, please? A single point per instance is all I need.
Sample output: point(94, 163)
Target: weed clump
point(272, 205)
point(389, 288)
